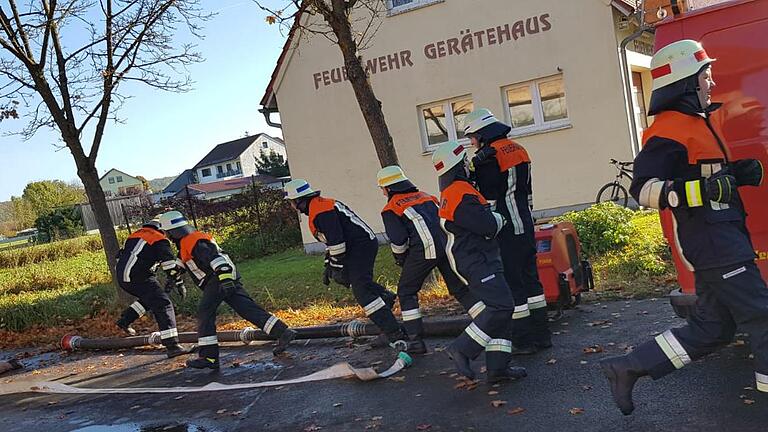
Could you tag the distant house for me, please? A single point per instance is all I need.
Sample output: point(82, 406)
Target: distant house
point(236, 159)
point(117, 183)
point(225, 188)
point(178, 184)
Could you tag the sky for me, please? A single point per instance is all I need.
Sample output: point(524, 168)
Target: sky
point(166, 133)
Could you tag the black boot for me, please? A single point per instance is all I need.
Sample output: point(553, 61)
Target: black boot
point(461, 362)
point(283, 341)
point(622, 373)
point(203, 363)
point(125, 327)
point(417, 346)
point(175, 350)
point(509, 374)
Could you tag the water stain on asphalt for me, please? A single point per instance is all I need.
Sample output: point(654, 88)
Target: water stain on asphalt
point(135, 427)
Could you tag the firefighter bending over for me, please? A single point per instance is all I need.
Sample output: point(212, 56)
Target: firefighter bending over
point(138, 258)
point(215, 273)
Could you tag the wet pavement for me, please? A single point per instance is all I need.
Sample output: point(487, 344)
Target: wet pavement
point(564, 391)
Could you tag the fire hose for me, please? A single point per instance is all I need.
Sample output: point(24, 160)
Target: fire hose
point(440, 328)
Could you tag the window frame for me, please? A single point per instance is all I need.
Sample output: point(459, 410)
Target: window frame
point(202, 172)
point(539, 125)
point(447, 104)
point(417, 4)
point(119, 179)
point(111, 180)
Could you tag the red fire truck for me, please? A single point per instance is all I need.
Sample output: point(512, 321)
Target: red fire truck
point(736, 34)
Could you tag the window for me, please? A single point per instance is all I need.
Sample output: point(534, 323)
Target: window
point(265, 145)
point(119, 179)
point(441, 121)
point(219, 169)
point(206, 172)
point(229, 167)
point(537, 106)
point(239, 167)
point(111, 180)
point(399, 6)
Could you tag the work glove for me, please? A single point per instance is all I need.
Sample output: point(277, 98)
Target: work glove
point(748, 172)
point(181, 289)
point(483, 155)
point(400, 258)
point(719, 187)
point(326, 274)
point(340, 276)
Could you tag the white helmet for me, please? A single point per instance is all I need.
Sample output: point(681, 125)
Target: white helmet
point(477, 120)
point(390, 175)
point(676, 61)
point(448, 156)
point(171, 220)
point(297, 188)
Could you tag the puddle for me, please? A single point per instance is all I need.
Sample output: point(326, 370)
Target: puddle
point(135, 427)
point(259, 366)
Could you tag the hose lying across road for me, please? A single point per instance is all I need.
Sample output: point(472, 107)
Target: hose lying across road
point(439, 328)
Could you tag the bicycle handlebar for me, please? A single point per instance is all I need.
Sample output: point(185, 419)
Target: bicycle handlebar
point(615, 162)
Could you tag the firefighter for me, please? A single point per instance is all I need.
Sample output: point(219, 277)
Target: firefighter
point(502, 172)
point(215, 273)
point(136, 262)
point(418, 246)
point(473, 254)
point(351, 249)
point(685, 167)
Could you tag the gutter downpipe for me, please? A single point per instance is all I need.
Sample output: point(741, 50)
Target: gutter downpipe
point(630, 103)
point(266, 112)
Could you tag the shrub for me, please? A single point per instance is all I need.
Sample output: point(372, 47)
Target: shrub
point(66, 273)
point(62, 223)
point(602, 227)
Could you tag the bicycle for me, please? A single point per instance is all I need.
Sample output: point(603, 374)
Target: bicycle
point(615, 192)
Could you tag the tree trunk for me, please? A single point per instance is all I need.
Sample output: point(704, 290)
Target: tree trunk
point(86, 171)
point(369, 105)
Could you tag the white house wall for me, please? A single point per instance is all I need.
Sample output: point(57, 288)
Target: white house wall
point(330, 145)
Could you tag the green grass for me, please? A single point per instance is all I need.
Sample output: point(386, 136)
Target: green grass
point(51, 293)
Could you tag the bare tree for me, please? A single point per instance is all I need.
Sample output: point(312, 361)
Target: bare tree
point(63, 64)
point(351, 25)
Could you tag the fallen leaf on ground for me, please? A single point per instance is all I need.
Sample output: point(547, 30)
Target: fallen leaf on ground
point(498, 403)
point(594, 349)
point(748, 401)
point(598, 323)
point(221, 411)
point(376, 418)
point(312, 428)
point(576, 411)
point(586, 387)
point(516, 411)
point(423, 427)
point(397, 379)
point(492, 393)
point(551, 361)
point(337, 404)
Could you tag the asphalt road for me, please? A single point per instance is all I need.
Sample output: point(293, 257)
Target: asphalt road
point(564, 391)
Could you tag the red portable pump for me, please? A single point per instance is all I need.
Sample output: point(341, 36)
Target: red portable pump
point(734, 33)
point(562, 272)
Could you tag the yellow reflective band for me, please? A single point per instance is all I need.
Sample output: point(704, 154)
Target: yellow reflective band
point(477, 335)
point(762, 382)
point(521, 312)
point(385, 180)
point(475, 310)
point(669, 351)
point(499, 345)
point(225, 276)
point(693, 193)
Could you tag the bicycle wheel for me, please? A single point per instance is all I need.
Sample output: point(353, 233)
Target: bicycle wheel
point(613, 192)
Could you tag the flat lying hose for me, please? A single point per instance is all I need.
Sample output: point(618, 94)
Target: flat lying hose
point(441, 328)
point(339, 370)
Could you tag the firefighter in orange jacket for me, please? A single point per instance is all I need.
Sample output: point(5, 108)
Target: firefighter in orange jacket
point(685, 167)
point(471, 228)
point(215, 273)
point(502, 173)
point(351, 249)
point(142, 251)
